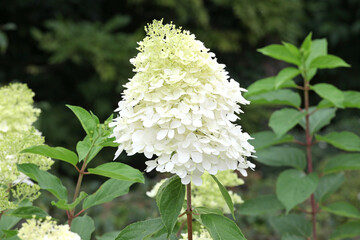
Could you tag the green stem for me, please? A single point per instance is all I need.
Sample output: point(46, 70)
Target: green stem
point(189, 211)
point(308, 151)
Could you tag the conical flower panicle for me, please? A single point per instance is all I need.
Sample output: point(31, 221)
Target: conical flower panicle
point(180, 106)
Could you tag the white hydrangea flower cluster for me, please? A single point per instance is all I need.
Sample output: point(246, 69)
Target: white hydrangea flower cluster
point(17, 133)
point(46, 230)
point(208, 194)
point(180, 106)
point(203, 234)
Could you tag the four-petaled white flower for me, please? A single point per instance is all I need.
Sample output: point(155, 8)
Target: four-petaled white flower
point(181, 106)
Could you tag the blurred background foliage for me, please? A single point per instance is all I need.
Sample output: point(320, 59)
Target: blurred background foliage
point(77, 52)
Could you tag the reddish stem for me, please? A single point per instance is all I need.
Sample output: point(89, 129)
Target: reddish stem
point(308, 152)
point(189, 211)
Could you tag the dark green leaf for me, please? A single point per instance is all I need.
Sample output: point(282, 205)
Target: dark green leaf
point(288, 236)
point(3, 42)
point(328, 184)
point(343, 162)
point(141, 230)
point(118, 171)
point(328, 61)
point(278, 97)
point(111, 189)
point(330, 93)
point(285, 119)
point(170, 199)
point(267, 138)
point(291, 224)
point(85, 118)
point(225, 195)
point(347, 141)
point(346, 230)
point(62, 204)
point(260, 206)
point(342, 209)
point(28, 212)
point(221, 227)
point(285, 75)
point(10, 235)
point(281, 53)
point(109, 236)
point(282, 156)
point(45, 180)
point(59, 153)
point(294, 187)
point(266, 85)
point(84, 226)
point(319, 119)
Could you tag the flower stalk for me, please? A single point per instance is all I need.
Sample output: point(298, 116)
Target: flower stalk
point(189, 211)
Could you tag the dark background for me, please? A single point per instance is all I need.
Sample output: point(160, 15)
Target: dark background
point(77, 52)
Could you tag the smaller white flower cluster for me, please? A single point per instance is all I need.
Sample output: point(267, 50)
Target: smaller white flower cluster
point(208, 194)
point(46, 230)
point(203, 234)
point(17, 115)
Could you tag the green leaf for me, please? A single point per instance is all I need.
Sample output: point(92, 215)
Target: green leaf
point(319, 119)
point(347, 141)
point(45, 180)
point(28, 212)
point(205, 210)
point(84, 226)
point(294, 187)
point(278, 97)
point(260, 206)
point(266, 85)
point(109, 236)
point(328, 61)
point(10, 235)
point(292, 49)
point(267, 138)
point(291, 224)
point(330, 93)
point(170, 199)
point(342, 209)
point(141, 230)
point(221, 227)
point(282, 156)
point(87, 121)
point(7, 222)
point(352, 99)
point(111, 189)
point(343, 162)
point(58, 153)
point(306, 44)
point(280, 52)
point(285, 75)
point(118, 171)
point(86, 148)
point(225, 195)
point(285, 119)
point(328, 184)
point(62, 204)
point(318, 48)
point(346, 230)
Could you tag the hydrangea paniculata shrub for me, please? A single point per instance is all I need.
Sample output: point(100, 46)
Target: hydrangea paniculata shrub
point(181, 106)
